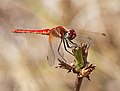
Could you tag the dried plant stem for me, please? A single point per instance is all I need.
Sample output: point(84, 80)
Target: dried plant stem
point(84, 72)
point(80, 66)
point(78, 83)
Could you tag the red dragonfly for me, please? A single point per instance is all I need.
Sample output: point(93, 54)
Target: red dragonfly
point(56, 33)
point(65, 36)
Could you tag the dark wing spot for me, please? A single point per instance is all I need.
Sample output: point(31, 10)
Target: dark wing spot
point(47, 58)
point(104, 34)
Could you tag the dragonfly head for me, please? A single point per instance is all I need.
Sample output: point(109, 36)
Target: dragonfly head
point(71, 34)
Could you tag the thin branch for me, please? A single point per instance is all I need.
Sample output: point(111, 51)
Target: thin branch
point(78, 83)
point(82, 71)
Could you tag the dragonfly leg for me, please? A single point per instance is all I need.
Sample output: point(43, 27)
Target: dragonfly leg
point(66, 48)
point(69, 45)
point(73, 43)
point(59, 51)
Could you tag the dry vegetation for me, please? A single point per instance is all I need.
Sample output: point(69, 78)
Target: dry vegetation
point(23, 63)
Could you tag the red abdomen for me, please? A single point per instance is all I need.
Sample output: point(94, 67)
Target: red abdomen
point(44, 31)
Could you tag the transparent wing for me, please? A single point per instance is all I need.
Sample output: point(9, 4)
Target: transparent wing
point(53, 54)
point(90, 37)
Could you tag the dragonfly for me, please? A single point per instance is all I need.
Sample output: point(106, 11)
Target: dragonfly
point(59, 35)
point(54, 49)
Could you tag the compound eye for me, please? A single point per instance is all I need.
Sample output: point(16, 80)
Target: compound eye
point(72, 34)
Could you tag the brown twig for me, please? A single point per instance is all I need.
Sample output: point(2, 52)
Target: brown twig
point(78, 83)
point(84, 70)
point(88, 69)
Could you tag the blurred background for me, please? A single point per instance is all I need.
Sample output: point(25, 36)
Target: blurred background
point(23, 57)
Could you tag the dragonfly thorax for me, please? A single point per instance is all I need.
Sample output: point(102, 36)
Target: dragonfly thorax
point(71, 34)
